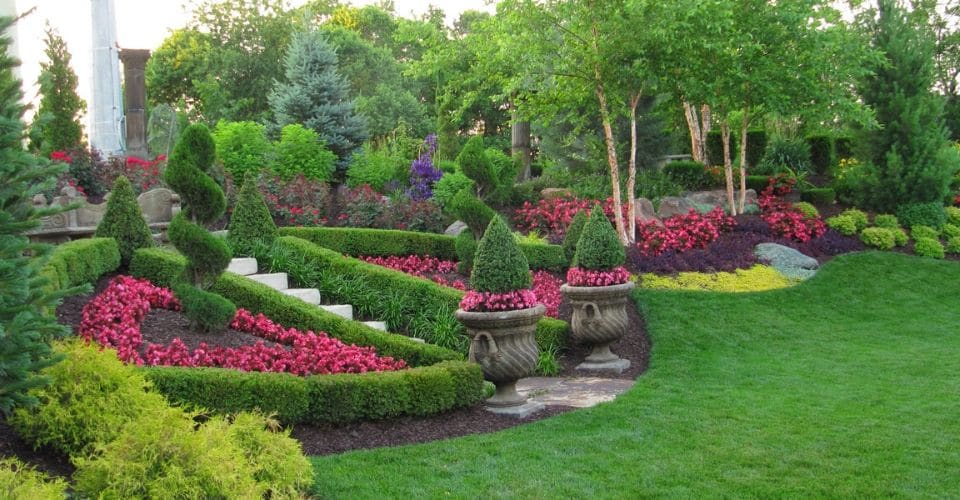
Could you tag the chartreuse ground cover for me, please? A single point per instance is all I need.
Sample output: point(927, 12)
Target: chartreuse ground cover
point(844, 385)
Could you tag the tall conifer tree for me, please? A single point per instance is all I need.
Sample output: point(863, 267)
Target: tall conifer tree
point(57, 122)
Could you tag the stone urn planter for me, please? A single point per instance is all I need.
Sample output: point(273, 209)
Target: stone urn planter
point(600, 319)
point(504, 344)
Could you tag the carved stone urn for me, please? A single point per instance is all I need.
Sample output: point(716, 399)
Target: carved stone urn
point(504, 344)
point(599, 319)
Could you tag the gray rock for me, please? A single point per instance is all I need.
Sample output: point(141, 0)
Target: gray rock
point(786, 260)
point(671, 205)
point(157, 205)
point(456, 228)
point(713, 198)
point(644, 211)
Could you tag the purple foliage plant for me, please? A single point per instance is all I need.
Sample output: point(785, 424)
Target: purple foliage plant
point(422, 172)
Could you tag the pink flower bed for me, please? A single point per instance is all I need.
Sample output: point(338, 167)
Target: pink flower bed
point(682, 232)
point(113, 319)
point(591, 277)
point(552, 217)
point(490, 302)
point(785, 220)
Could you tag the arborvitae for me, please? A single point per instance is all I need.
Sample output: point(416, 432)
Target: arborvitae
point(909, 157)
point(124, 221)
point(250, 223)
point(315, 95)
point(58, 118)
point(204, 202)
point(599, 247)
point(499, 266)
point(574, 230)
point(25, 300)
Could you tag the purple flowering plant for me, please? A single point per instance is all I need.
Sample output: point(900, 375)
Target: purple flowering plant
point(422, 172)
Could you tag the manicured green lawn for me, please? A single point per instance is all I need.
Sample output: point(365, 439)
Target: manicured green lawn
point(847, 385)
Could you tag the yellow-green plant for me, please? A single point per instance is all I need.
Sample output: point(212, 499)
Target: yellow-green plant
point(756, 279)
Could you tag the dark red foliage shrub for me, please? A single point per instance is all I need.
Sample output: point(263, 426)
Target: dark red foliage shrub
point(296, 202)
point(785, 220)
point(552, 217)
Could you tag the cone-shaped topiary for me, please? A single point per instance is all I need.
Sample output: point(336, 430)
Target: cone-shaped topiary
point(204, 202)
point(598, 247)
point(574, 230)
point(251, 222)
point(499, 265)
point(124, 221)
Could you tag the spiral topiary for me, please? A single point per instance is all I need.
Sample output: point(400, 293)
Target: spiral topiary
point(499, 265)
point(124, 221)
point(250, 223)
point(466, 247)
point(599, 247)
point(204, 202)
point(574, 230)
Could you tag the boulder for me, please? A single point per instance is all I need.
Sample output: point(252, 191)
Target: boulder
point(158, 204)
point(671, 205)
point(643, 210)
point(712, 198)
point(456, 228)
point(786, 260)
point(551, 193)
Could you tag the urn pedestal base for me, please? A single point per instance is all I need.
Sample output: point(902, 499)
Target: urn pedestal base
point(617, 366)
point(599, 320)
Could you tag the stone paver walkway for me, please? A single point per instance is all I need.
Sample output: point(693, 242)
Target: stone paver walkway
point(579, 392)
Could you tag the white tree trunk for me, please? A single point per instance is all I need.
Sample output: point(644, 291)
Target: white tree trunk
point(632, 172)
point(728, 164)
point(611, 145)
point(743, 160)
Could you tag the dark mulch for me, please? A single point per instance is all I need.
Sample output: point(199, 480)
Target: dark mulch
point(44, 459)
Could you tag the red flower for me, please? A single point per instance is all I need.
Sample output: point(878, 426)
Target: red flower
point(592, 277)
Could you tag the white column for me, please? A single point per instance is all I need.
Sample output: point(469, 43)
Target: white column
point(106, 108)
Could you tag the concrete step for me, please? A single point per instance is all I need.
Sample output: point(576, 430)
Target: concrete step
point(343, 310)
point(244, 266)
point(378, 325)
point(308, 295)
point(277, 281)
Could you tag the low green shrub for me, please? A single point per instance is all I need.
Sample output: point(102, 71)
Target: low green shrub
point(900, 237)
point(275, 458)
point(928, 247)
point(471, 210)
point(953, 245)
point(819, 196)
point(808, 210)
point(572, 236)
point(953, 215)
point(181, 463)
point(918, 232)
point(250, 222)
point(93, 395)
point(878, 237)
point(757, 182)
point(124, 221)
point(386, 242)
point(859, 217)
point(466, 246)
point(20, 481)
point(950, 231)
point(690, 174)
point(887, 221)
point(843, 224)
point(922, 214)
point(81, 261)
point(376, 242)
point(208, 312)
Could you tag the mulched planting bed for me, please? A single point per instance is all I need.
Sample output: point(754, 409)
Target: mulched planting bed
point(161, 326)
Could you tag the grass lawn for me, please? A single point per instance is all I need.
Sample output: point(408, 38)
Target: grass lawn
point(847, 385)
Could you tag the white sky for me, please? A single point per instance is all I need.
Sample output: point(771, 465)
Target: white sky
point(141, 24)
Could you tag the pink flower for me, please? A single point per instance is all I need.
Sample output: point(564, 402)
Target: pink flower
point(591, 277)
point(490, 302)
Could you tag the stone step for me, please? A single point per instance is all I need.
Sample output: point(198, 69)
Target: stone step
point(343, 310)
point(277, 281)
point(308, 295)
point(244, 266)
point(378, 325)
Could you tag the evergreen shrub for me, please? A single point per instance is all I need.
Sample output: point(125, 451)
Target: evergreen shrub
point(819, 196)
point(21, 481)
point(922, 214)
point(756, 145)
point(859, 217)
point(952, 215)
point(953, 245)
point(950, 231)
point(472, 211)
point(878, 237)
point(807, 209)
point(928, 247)
point(124, 221)
point(821, 152)
point(250, 222)
point(466, 246)
point(500, 266)
point(572, 236)
point(690, 174)
point(599, 248)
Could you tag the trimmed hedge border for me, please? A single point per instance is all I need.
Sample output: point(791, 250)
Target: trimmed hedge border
point(423, 296)
point(438, 381)
point(81, 261)
point(386, 242)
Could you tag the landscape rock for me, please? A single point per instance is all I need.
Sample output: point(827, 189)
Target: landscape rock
point(644, 211)
point(456, 228)
point(672, 205)
point(551, 193)
point(159, 205)
point(786, 260)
